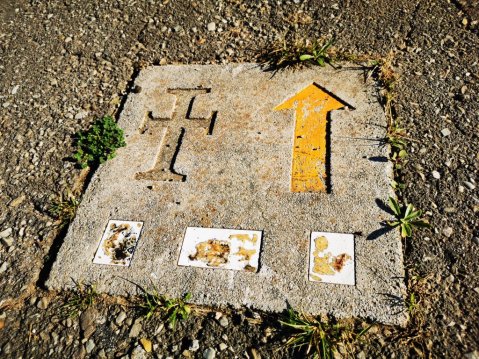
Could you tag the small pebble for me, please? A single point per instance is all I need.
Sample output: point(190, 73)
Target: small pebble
point(223, 346)
point(81, 115)
point(223, 321)
point(447, 231)
point(195, 345)
point(469, 185)
point(135, 329)
point(138, 353)
point(7, 242)
point(3, 267)
point(436, 174)
point(446, 132)
point(211, 26)
point(43, 303)
point(209, 353)
point(146, 344)
point(90, 345)
point(120, 318)
point(6, 233)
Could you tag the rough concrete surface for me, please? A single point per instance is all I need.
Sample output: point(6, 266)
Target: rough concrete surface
point(239, 177)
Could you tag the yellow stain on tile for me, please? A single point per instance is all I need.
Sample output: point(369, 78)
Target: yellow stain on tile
point(311, 106)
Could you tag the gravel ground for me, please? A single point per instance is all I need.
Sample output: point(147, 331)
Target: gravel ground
point(63, 64)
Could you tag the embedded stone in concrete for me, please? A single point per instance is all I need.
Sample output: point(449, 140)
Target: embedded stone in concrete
point(228, 163)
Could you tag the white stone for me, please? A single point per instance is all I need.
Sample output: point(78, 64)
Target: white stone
point(90, 345)
point(120, 318)
point(211, 26)
point(209, 353)
point(436, 174)
point(3, 267)
point(469, 185)
point(448, 231)
point(195, 345)
point(6, 233)
point(7, 242)
point(445, 132)
point(81, 115)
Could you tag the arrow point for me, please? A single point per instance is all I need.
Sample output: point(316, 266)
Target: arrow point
point(310, 92)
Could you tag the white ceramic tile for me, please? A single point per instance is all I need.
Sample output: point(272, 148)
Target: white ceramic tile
point(221, 248)
point(331, 258)
point(118, 243)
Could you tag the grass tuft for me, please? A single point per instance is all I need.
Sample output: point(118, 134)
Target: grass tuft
point(285, 54)
point(81, 298)
point(172, 309)
point(316, 338)
point(64, 208)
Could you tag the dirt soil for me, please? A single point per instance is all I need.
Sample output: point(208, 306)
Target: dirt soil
point(65, 63)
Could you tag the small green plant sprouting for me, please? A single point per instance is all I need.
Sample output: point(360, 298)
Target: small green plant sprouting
point(177, 308)
point(317, 53)
point(317, 338)
point(412, 304)
point(99, 143)
point(407, 218)
point(153, 303)
point(64, 208)
point(396, 137)
point(399, 158)
point(290, 54)
point(82, 297)
point(397, 185)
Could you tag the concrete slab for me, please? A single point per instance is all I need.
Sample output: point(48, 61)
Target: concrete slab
point(206, 148)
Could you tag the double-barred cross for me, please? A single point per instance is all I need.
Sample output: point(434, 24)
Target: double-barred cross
point(174, 130)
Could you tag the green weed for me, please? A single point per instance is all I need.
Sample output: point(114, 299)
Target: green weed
point(396, 137)
point(64, 208)
point(407, 218)
point(290, 54)
point(99, 143)
point(315, 338)
point(81, 298)
point(174, 309)
point(412, 304)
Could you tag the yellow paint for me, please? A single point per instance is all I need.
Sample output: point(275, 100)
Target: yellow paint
point(309, 146)
point(244, 237)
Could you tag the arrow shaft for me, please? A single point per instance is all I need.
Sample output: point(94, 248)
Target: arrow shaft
point(309, 169)
point(309, 147)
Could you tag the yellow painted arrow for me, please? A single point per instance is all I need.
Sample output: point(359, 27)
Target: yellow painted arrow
point(312, 105)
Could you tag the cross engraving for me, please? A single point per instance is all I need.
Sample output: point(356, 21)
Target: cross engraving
point(174, 130)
